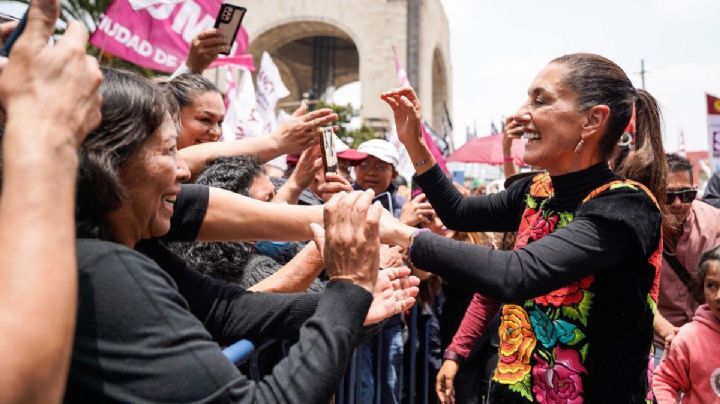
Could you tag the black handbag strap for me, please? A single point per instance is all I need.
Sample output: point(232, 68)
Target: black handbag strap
point(682, 273)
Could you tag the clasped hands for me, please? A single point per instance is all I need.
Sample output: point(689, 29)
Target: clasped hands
point(350, 246)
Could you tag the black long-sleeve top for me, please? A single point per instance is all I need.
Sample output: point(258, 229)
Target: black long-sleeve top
point(148, 329)
point(610, 243)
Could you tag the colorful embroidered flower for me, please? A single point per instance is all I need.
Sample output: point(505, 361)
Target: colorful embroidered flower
point(517, 342)
point(543, 227)
point(541, 186)
point(560, 383)
point(656, 261)
point(567, 295)
point(527, 222)
point(544, 328)
point(550, 332)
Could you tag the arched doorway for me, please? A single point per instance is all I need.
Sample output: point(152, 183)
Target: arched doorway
point(314, 58)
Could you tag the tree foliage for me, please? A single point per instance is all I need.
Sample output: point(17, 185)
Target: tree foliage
point(354, 137)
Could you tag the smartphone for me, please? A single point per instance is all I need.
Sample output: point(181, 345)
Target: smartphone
point(6, 17)
point(229, 20)
point(327, 147)
point(7, 46)
point(385, 200)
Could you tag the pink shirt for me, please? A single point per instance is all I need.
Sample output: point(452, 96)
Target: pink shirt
point(692, 364)
point(700, 232)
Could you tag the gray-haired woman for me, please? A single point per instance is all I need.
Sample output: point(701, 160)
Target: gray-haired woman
point(148, 326)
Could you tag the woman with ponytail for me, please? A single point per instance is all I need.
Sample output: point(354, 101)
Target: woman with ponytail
point(577, 294)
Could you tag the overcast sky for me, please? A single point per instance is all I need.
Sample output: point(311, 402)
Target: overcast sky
point(499, 46)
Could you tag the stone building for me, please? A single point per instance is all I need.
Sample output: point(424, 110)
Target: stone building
point(320, 45)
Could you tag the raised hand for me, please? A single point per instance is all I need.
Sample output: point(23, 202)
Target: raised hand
point(407, 112)
point(300, 130)
point(205, 48)
point(309, 162)
point(513, 130)
point(417, 211)
point(52, 86)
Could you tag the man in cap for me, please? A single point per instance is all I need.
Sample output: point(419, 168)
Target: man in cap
point(378, 170)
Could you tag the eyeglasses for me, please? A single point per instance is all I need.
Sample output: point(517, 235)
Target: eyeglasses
point(377, 167)
point(685, 195)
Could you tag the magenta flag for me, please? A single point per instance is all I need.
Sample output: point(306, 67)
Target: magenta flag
point(434, 149)
point(156, 34)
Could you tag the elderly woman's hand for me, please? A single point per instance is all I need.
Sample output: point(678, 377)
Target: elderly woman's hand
point(205, 48)
point(352, 239)
point(300, 130)
point(408, 113)
point(52, 86)
point(334, 183)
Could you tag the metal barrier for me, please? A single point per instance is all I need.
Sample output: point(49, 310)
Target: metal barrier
point(418, 362)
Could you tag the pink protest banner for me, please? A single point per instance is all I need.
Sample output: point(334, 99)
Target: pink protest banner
point(156, 34)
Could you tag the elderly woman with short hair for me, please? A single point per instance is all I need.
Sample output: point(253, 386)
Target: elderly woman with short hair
point(148, 326)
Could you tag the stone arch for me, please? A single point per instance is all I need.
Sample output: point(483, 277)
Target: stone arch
point(440, 91)
point(291, 44)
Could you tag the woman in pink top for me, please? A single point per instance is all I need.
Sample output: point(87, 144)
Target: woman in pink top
point(692, 364)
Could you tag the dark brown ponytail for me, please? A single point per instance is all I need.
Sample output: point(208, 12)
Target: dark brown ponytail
point(599, 81)
point(646, 162)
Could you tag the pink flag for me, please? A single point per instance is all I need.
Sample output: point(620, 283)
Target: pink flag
point(156, 34)
point(434, 149)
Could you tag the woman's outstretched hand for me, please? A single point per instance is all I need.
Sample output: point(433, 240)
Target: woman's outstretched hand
point(394, 293)
point(408, 113)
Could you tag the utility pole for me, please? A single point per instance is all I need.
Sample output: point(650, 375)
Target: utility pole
point(642, 73)
point(413, 44)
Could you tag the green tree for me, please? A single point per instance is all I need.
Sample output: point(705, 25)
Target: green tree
point(89, 12)
point(355, 137)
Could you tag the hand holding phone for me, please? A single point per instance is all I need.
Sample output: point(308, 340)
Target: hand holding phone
point(14, 35)
point(385, 200)
point(228, 22)
point(327, 146)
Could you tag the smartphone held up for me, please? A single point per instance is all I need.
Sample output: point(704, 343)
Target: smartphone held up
point(228, 21)
point(327, 147)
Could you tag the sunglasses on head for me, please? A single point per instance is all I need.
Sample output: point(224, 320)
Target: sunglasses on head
point(685, 195)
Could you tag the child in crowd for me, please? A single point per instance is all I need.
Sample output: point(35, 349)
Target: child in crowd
point(692, 364)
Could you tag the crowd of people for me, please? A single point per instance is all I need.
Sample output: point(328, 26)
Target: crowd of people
point(135, 246)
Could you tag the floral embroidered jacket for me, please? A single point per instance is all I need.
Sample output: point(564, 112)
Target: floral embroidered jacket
point(579, 290)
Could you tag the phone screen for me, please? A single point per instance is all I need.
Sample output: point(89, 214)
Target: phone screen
point(385, 200)
point(327, 147)
point(229, 20)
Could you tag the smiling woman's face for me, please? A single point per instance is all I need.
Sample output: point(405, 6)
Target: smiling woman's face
point(202, 119)
point(551, 121)
point(152, 181)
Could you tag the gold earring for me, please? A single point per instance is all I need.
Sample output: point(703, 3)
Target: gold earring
point(579, 145)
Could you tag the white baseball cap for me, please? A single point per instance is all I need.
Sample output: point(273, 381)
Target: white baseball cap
point(381, 149)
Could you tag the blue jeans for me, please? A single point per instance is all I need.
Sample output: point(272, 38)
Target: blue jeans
point(659, 352)
point(392, 360)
